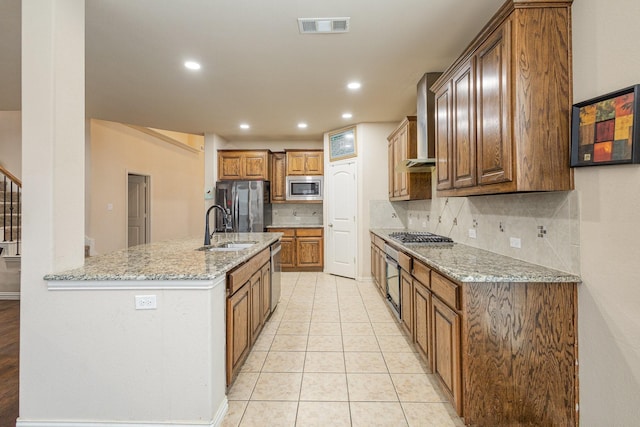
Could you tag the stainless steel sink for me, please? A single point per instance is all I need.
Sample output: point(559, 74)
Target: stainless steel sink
point(229, 246)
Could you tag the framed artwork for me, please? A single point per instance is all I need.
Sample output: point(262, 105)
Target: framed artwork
point(605, 129)
point(342, 144)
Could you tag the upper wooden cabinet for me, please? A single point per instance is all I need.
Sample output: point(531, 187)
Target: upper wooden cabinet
point(403, 146)
point(305, 162)
point(278, 178)
point(503, 108)
point(244, 164)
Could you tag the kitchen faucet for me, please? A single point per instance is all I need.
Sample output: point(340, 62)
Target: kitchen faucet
point(227, 222)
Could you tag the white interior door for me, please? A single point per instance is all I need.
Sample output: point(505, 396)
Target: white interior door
point(137, 208)
point(342, 200)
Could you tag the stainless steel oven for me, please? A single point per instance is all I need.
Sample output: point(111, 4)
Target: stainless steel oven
point(392, 278)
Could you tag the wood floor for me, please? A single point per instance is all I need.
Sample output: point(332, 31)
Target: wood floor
point(9, 348)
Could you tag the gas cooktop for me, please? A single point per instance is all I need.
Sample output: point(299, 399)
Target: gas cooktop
point(419, 237)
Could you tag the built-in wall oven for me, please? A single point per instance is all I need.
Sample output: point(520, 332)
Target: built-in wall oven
point(392, 277)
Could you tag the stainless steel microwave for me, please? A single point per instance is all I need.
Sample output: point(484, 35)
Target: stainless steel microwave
point(304, 188)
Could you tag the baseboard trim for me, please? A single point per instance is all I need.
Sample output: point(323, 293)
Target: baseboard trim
point(9, 295)
point(217, 422)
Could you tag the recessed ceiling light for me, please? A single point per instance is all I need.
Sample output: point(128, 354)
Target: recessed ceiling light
point(347, 115)
point(302, 125)
point(192, 65)
point(244, 126)
point(354, 85)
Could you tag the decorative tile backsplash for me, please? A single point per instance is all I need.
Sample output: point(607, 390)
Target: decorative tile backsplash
point(296, 214)
point(544, 225)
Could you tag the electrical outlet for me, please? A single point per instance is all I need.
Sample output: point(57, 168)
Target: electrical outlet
point(472, 233)
point(424, 224)
point(146, 302)
point(515, 242)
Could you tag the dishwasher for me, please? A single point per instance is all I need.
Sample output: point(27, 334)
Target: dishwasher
point(276, 274)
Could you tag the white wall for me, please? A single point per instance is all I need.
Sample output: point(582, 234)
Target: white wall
point(11, 141)
point(373, 182)
point(606, 57)
point(176, 181)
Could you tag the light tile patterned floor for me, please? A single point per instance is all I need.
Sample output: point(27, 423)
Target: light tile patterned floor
point(332, 354)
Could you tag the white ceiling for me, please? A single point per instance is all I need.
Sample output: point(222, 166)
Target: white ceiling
point(256, 66)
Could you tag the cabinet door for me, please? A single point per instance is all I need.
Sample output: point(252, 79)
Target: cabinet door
point(288, 252)
point(314, 164)
point(397, 157)
point(295, 163)
point(464, 138)
point(422, 320)
point(374, 264)
point(446, 350)
point(238, 330)
point(256, 305)
point(266, 291)
point(392, 172)
point(406, 306)
point(256, 165)
point(493, 107)
point(309, 251)
point(444, 139)
point(402, 150)
point(230, 165)
point(278, 178)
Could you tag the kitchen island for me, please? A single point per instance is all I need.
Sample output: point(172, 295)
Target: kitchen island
point(140, 335)
point(499, 334)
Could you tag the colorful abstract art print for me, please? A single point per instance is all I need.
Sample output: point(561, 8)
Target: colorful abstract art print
point(604, 130)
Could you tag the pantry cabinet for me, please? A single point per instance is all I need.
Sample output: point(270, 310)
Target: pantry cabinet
point(402, 145)
point(305, 162)
point(278, 178)
point(503, 108)
point(244, 165)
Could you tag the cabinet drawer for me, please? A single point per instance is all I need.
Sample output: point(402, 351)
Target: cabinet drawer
point(286, 232)
point(421, 272)
point(309, 232)
point(378, 241)
point(446, 290)
point(239, 276)
point(405, 261)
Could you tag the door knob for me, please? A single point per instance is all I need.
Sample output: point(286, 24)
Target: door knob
point(330, 225)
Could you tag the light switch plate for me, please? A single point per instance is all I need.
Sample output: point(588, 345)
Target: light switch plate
point(472, 233)
point(515, 242)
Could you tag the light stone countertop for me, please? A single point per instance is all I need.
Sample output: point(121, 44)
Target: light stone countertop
point(171, 260)
point(468, 264)
point(296, 226)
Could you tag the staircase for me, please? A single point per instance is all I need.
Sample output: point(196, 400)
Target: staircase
point(10, 234)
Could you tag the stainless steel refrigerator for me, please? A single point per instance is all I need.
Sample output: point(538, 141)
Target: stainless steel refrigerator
point(249, 203)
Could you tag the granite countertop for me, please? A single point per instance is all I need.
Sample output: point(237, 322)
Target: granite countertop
point(468, 264)
point(296, 226)
point(168, 260)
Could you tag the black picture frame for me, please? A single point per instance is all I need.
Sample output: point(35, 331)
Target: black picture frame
point(605, 131)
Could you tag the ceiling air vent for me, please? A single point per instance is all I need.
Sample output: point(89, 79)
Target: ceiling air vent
point(323, 25)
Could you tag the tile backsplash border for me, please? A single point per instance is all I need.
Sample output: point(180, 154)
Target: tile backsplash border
point(547, 224)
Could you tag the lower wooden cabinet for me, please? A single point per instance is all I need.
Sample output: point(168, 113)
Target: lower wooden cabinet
point(248, 307)
point(422, 336)
point(302, 249)
point(503, 353)
point(238, 330)
point(406, 304)
point(446, 350)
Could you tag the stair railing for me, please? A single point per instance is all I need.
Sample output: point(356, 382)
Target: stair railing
point(13, 185)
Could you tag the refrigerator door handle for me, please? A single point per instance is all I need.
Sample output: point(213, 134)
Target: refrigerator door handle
point(236, 212)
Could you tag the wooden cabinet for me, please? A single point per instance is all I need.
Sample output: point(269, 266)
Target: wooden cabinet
point(504, 353)
point(406, 301)
point(378, 263)
point(402, 145)
point(244, 164)
point(302, 249)
point(503, 108)
point(278, 178)
point(305, 162)
point(248, 307)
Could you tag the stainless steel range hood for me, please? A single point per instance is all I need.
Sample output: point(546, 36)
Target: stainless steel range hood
point(426, 159)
